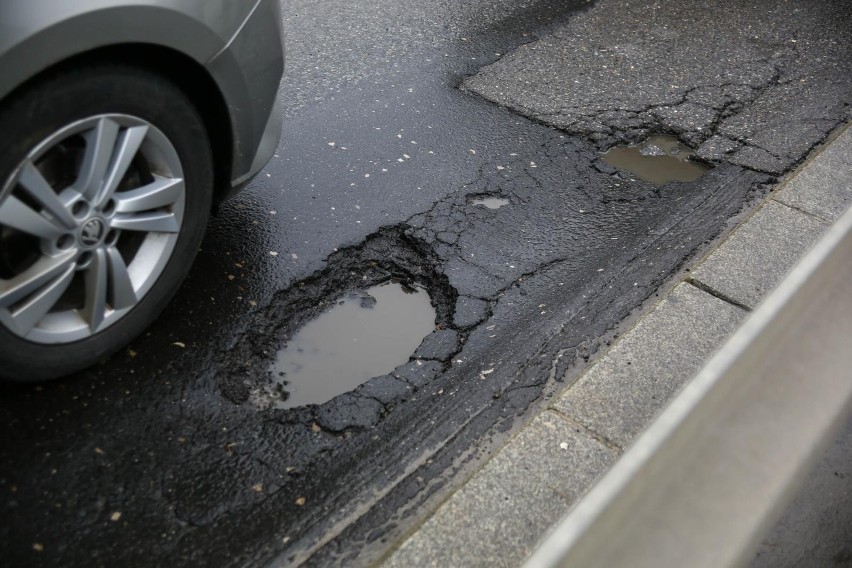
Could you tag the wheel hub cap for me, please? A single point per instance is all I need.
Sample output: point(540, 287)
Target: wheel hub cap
point(92, 233)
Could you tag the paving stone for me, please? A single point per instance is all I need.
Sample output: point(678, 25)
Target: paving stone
point(499, 516)
point(824, 187)
point(620, 395)
point(758, 255)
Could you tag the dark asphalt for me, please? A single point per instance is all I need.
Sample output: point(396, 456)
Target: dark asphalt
point(167, 453)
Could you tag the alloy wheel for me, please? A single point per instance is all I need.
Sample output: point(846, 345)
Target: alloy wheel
point(88, 221)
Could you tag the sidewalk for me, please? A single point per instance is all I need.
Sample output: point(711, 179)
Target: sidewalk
point(501, 513)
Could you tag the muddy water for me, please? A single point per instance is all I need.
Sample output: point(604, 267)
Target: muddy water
point(365, 334)
point(660, 159)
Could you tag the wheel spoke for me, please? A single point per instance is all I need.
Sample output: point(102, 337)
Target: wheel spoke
point(44, 271)
point(125, 150)
point(28, 315)
point(122, 294)
point(94, 308)
point(37, 187)
point(100, 146)
point(18, 215)
point(159, 193)
point(147, 222)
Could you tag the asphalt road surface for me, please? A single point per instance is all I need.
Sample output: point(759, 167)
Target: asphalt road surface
point(399, 119)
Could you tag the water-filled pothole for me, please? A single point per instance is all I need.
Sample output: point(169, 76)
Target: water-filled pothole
point(660, 159)
point(364, 334)
point(490, 202)
point(390, 254)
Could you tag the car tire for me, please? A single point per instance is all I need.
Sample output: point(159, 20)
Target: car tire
point(105, 191)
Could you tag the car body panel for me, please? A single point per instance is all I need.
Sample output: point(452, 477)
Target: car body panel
point(244, 70)
point(237, 41)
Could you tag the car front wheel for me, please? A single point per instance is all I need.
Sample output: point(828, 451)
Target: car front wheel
point(106, 189)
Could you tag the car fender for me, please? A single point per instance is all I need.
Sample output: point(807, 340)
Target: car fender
point(198, 28)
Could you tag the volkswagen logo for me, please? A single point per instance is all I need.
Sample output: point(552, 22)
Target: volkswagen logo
point(92, 233)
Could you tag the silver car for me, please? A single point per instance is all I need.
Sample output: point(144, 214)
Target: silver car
point(122, 124)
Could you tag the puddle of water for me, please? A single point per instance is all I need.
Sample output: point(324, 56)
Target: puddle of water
point(490, 202)
point(364, 335)
point(660, 159)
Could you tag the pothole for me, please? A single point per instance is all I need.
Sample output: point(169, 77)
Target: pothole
point(491, 202)
point(659, 160)
point(347, 323)
point(364, 334)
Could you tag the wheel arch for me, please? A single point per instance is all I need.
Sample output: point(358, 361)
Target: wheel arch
point(182, 70)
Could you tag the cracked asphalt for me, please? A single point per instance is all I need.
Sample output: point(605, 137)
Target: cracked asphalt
point(723, 76)
point(168, 454)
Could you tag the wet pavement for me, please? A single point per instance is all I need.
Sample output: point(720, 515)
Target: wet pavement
point(530, 247)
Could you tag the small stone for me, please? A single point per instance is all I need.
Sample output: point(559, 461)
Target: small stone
point(115, 517)
point(604, 168)
point(367, 302)
point(300, 502)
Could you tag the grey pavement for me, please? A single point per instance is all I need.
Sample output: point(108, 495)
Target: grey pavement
point(500, 514)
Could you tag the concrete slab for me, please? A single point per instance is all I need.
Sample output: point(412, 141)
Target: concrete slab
point(823, 188)
point(758, 255)
point(498, 517)
point(628, 386)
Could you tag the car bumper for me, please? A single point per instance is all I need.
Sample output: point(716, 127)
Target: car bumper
point(268, 144)
point(248, 71)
